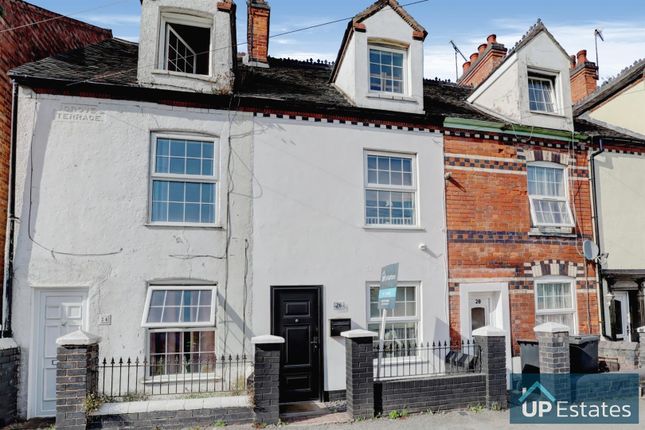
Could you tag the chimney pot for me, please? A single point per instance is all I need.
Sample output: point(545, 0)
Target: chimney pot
point(582, 56)
point(466, 66)
point(482, 48)
point(573, 61)
point(474, 56)
point(492, 39)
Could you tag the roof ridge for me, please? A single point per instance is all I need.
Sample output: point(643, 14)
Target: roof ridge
point(394, 4)
point(530, 33)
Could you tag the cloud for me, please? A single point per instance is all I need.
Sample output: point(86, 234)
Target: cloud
point(624, 43)
point(111, 20)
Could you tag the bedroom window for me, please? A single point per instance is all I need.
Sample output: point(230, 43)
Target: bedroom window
point(186, 44)
point(387, 68)
point(542, 93)
point(548, 196)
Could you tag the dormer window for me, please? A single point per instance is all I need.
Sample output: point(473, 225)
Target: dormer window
point(186, 44)
point(387, 70)
point(542, 93)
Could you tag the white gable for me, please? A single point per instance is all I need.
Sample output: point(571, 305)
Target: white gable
point(505, 94)
point(201, 49)
point(385, 29)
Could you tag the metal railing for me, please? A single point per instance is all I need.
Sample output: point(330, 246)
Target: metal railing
point(175, 377)
point(423, 360)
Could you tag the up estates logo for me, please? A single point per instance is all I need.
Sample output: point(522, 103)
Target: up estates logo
point(575, 399)
point(537, 408)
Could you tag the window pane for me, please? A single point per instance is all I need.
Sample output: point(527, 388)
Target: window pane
point(541, 96)
point(173, 306)
point(386, 71)
point(554, 296)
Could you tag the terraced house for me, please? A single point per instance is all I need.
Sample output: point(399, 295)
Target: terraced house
point(209, 197)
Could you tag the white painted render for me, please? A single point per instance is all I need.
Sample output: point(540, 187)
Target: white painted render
point(89, 195)
point(150, 71)
point(621, 204)
point(353, 72)
point(309, 226)
point(505, 93)
point(623, 112)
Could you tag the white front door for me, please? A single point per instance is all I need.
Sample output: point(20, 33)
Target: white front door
point(57, 313)
point(621, 310)
point(480, 305)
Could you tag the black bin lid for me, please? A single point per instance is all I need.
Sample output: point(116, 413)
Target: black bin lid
point(580, 340)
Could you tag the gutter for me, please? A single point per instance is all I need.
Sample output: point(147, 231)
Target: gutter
point(11, 218)
point(594, 215)
point(518, 130)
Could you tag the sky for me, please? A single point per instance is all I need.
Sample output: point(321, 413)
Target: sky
point(466, 22)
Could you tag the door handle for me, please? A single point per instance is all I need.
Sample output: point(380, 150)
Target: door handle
point(314, 342)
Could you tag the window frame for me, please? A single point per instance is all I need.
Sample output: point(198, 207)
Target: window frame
point(391, 49)
point(390, 319)
point(553, 79)
point(574, 303)
point(215, 179)
point(148, 377)
point(566, 199)
point(414, 188)
point(166, 18)
point(172, 327)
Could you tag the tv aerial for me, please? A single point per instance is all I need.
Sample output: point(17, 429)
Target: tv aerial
point(457, 53)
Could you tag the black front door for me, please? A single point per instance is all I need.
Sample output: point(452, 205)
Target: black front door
point(296, 318)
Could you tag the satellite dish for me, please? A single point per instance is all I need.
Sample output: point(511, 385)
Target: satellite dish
point(590, 250)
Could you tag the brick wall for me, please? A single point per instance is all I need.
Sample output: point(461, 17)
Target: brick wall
point(490, 233)
point(22, 46)
point(9, 362)
point(436, 394)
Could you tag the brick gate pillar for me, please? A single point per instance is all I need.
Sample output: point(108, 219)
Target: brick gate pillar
point(77, 377)
point(554, 358)
point(9, 367)
point(266, 393)
point(359, 372)
point(641, 347)
point(492, 344)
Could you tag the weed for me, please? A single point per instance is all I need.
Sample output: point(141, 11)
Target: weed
point(220, 423)
point(394, 415)
point(476, 409)
point(93, 402)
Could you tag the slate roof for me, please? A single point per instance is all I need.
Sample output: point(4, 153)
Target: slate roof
point(286, 84)
point(614, 85)
point(290, 82)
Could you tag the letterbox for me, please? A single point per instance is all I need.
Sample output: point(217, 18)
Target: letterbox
point(337, 326)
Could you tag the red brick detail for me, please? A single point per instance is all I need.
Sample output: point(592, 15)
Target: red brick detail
point(360, 27)
point(418, 35)
point(24, 45)
point(224, 6)
point(259, 16)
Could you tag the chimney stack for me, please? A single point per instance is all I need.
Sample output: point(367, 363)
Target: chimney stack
point(488, 56)
point(584, 76)
point(259, 14)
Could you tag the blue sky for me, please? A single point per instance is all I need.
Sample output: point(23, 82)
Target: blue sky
point(466, 22)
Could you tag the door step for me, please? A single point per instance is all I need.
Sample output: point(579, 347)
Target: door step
point(312, 413)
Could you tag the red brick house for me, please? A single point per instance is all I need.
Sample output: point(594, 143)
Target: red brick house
point(518, 199)
point(22, 40)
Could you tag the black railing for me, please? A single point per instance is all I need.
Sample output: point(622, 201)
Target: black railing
point(406, 360)
point(177, 376)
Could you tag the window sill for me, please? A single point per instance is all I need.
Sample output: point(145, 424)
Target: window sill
point(552, 231)
point(393, 228)
point(551, 114)
point(392, 97)
point(206, 78)
point(184, 225)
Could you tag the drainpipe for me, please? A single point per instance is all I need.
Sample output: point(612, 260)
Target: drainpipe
point(594, 204)
point(8, 273)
